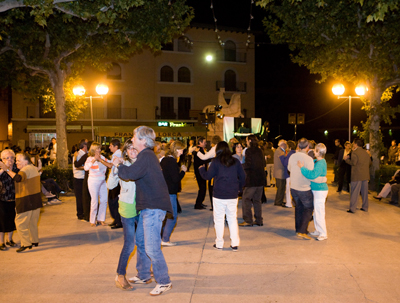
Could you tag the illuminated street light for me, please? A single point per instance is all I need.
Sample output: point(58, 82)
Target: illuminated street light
point(209, 58)
point(101, 89)
point(338, 90)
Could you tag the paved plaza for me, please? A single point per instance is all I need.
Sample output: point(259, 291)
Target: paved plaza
point(360, 261)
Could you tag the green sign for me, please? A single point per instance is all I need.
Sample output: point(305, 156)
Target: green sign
point(180, 124)
point(163, 123)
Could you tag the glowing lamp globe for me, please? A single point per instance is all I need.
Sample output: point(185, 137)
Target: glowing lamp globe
point(102, 89)
point(79, 90)
point(338, 89)
point(209, 58)
point(361, 90)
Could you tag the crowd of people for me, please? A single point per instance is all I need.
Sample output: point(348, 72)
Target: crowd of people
point(144, 180)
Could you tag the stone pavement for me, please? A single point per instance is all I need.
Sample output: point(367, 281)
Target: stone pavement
point(360, 262)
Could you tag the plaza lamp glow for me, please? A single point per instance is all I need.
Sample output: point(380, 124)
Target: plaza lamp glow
point(101, 90)
point(339, 89)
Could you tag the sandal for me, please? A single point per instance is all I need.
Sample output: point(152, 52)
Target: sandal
point(123, 287)
point(102, 223)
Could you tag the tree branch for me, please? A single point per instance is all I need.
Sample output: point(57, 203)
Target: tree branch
point(326, 37)
point(26, 64)
point(10, 4)
point(66, 54)
point(392, 82)
point(68, 12)
point(47, 46)
point(371, 51)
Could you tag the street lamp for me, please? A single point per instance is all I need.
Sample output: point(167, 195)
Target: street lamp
point(101, 89)
point(338, 90)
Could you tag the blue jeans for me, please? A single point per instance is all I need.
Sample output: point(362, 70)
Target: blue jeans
point(129, 225)
point(170, 224)
point(304, 209)
point(148, 242)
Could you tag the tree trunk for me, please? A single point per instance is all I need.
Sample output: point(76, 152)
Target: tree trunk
point(374, 135)
point(57, 81)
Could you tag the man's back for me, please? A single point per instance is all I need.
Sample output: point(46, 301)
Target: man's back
point(297, 180)
point(360, 162)
point(278, 167)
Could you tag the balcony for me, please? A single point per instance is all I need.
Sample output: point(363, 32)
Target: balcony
point(231, 56)
point(240, 87)
point(99, 113)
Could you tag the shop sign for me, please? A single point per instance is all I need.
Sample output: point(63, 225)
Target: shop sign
point(163, 123)
point(180, 124)
point(117, 134)
point(173, 134)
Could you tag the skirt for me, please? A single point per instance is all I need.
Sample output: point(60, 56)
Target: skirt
point(7, 216)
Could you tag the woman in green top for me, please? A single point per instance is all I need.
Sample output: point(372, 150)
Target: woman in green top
point(127, 210)
point(320, 190)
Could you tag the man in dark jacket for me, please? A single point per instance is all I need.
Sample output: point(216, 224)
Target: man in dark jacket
point(255, 181)
point(152, 201)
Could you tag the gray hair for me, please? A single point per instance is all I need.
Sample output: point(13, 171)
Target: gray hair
point(10, 151)
point(321, 149)
point(147, 133)
point(303, 143)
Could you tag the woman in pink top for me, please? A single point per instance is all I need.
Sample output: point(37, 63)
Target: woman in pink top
point(97, 165)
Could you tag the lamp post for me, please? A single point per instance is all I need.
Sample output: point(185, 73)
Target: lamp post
point(338, 90)
point(101, 89)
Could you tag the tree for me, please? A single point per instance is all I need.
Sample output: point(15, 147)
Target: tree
point(55, 40)
point(349, 40)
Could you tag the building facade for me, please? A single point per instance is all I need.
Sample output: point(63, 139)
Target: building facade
point(166, 91)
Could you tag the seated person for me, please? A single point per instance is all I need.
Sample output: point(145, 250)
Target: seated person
point(395, 189)
point(387, 188)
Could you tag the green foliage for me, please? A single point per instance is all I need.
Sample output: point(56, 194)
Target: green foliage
point(384, 174)
point(63, 177)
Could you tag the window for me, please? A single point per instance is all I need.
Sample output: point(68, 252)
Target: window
point(167, 46)
point(183, 108)
point(230, 80)
point(167, 74)
point(115, 72)
point(167, 108)
point(230, 51)
point(184, 75)
point(184, 45)
point(113, 106)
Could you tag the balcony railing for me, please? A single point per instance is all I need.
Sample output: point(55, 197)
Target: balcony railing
point(112, 113)
point(232, 87)
point(231, 56)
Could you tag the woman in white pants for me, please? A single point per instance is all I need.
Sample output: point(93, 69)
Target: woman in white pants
point(97, 165)
point(229, 178)
point(319, 190)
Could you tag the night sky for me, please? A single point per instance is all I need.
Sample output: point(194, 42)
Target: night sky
point(283, 87)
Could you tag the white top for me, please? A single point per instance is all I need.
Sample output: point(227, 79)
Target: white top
point(297, 180)
point(208, 155)
point(97, 170)
point(78, 173)
point(53, 152)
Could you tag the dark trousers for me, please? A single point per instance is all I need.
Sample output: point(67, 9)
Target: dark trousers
point(252, 197)
point(113, 206)
point(188, 161)
point(202, 190)
point(86, 199)
point(210, 192)
point(280, 191)
point(304, 209)
point(336, 172)
point(344, 169)
point(78, 184)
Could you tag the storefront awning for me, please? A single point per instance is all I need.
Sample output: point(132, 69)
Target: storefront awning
point(52, 128)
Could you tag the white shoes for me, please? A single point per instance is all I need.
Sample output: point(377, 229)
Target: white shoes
point(314, 233)
point(160, 289)
point(322, 238)
point(167, 243)
point(137, 280)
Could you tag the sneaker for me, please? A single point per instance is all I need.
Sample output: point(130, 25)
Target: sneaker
point(160, 289)
point(234, 248)
point(167, 243)
point(54, 202)
point(314, 233)
point(137, 280)
point(50, 195)
point(215, 246)
point(322, 238)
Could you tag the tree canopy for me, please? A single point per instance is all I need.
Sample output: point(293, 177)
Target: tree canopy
point(350, 40)
point(53, 41)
